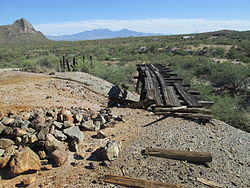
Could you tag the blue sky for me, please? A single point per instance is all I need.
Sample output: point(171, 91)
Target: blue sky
point(57, 17)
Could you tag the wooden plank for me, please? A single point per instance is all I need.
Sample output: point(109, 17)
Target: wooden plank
point(206, 103)
point(189, 99)
point(191, 156)
point(186, 115)
point(192, 92)
point(154, 88)
point(167, 100)
point(172, 95)
point(209, 183)
point(184, 110)
point(140, 183)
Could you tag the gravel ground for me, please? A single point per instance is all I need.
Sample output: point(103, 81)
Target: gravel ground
point(140, 129)
point(229, 147)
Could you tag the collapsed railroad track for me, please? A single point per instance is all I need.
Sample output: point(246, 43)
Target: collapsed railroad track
point(164, 93)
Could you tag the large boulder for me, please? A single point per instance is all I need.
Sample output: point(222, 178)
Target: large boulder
point(59, 157)
point(52, 144)
point(74, 133)
point(24, 160)
point(5, 143)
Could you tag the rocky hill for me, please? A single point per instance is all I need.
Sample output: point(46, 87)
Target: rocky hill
point(20, 32)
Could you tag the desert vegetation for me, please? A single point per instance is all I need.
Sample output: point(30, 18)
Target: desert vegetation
point(217, 64)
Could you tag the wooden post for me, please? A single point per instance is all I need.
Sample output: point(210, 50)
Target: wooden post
point(74, 62)
point(91, 59)
point(191, 156)
point(67, 63)
point(63, 63)
point(141, 183)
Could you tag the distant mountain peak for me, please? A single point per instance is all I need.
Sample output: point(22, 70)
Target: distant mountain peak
point(24, 26)
point(101, 33)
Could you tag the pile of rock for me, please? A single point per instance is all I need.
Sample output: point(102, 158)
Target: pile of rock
point(42, 137)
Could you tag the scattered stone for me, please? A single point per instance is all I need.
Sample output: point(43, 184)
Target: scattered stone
point(5, 143)
point(18, 140)
point(25, 124)
point(40, 119)
point(110, 124)
point(59, 135)
point(78, 118)
point(32, 138)
point(59, 157)
point(101, 135)
point(88, 126)
point(26, 116)
point(42, 154)
point(73, 146)
point(24, 160)
point(1, 152)
point(28, 181)
point(105, 163)
point(19, 132)
point(92, 166)
point(58, 125)
point(43, 133)
point(67, 124)
point(111, 150)
point(8, 131)
point(52, 144)
point(74, 133)
point(1, 127)
point(4, 160)
point(81, 155)
point(47, 167)
point(97, 125)
point(8, 121)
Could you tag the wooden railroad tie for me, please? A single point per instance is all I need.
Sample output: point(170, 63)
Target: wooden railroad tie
point(156, 83)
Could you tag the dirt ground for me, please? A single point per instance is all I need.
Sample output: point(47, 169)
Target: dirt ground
point(140, 129)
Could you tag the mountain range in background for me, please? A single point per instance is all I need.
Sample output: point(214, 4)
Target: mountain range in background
point(100, 34)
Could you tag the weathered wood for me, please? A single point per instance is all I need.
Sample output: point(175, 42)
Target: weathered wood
point(192, 92)
point(184, 110)
point(189, 99)
point(206, 103)
point(152, 87)
point(209, 183)
point(191, 156)
point(172, 96)
point(140, 183)
point(187, 115)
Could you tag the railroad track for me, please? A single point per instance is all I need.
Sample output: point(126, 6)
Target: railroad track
point(165, 93)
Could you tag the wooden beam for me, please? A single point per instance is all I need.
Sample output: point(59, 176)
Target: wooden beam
point(192, 92)
point(186, 115)
point(191, 156)
point(184, 110)
point(189, 99)
point(206, 103)
point(140, 183)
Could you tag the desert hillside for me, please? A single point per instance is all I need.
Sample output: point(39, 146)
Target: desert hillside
point(34, 106)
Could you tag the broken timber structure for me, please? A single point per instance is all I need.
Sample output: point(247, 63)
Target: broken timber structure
point(164, 92)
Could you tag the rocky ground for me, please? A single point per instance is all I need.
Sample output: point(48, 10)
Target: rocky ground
point(75, 100)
